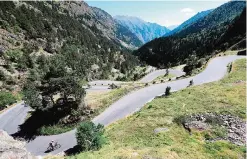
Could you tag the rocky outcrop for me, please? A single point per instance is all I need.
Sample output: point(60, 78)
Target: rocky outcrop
point(12, 149)
point(234, 125)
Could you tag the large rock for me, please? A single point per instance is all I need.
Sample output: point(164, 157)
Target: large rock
point(158, 130)
point(12, 149)
point(236, 132)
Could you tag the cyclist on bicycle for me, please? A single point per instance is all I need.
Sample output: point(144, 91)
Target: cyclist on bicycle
point(52, 144)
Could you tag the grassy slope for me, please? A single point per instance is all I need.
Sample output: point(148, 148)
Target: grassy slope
point(134, 138)
point(99, 101)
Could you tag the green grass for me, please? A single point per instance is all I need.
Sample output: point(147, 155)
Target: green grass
point(109, 98)
point(163, 77)
point(6, 99)
point(133, 137)
point(55, 129)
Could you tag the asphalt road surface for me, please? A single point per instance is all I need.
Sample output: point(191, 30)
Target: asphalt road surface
point(216, 70)
point(151, 76)
point(13, 117)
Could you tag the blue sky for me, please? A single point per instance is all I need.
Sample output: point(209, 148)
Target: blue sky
point(165, 13)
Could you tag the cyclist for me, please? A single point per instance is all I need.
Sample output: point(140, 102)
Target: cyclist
point(52, 144)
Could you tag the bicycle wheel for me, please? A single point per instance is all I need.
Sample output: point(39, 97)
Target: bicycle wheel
point(58, 146)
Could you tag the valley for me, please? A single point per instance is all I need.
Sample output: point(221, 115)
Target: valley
point(156, 90)
point(83, 79)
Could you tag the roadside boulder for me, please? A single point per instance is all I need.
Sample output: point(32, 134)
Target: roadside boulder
point(11, 148)
point(158, 130)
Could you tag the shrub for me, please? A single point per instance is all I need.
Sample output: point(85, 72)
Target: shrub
point(6, 98)
point(180, 119)
point(191, 82)
point(9, 68)
point(90, 136)
point(216, 132)
point(243, 52)
point(2, 76)
point(167, 72)
point(214, 120)
point(229, 67)
point(113, 86)
point(167, 92)
point(14, 55)
point(10, 81)
point(136, 77)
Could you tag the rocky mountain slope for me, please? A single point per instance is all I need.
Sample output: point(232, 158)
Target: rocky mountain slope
point(200, 39)
point(86, 39)
point(101, 20)
point(145, 31)
point(188, 22)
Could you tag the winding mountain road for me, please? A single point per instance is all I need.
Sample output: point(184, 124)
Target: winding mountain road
point(151, 76)
point(13, 117)
point(100, 85)
point(216, 70)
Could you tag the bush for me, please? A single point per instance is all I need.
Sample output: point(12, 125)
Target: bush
point(191, 82)
point(2, 76)
point(90, 136)
point(243, 52)
point(54, 129)
point(10, 81)
point(216, 132)
point(167, 92)
point(6, 98)
point(229, 67)
point(14, 55)
point(167, 72)
point(113, 86)
point(9, 68)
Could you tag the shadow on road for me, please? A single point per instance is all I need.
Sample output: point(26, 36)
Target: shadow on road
point(73, 151)
point(48, 151)
point(31, 127)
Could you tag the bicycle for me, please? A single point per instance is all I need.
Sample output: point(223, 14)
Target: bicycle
point(54, 147)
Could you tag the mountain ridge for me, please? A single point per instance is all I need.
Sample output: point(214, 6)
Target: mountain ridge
point(199, 38)
point(189, 21)
point(145, 31)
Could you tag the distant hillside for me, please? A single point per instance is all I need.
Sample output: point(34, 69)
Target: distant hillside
point(189, 22)
point(200, 38)
point(145, 31)
point(235, 32)
point(118, 32)
point(83, 39)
